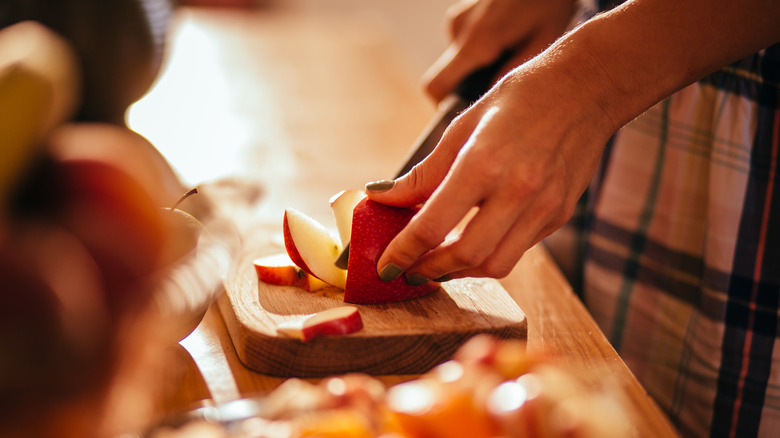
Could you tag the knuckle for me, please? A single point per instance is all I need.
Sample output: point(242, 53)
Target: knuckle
point(404, 255)
point(497, 270)
point(425, 235)
point(416, 176)
point(551, 206)
point(565, 213)
point(531, 180)
point(466, 258)
point(456, 20)
point(490, 171)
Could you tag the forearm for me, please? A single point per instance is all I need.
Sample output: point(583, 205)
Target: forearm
point(630, 58)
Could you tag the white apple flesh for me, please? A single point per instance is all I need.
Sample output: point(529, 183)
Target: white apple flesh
point(279, 270)
point(313, 248)
point(342, 204)
point(336, 321)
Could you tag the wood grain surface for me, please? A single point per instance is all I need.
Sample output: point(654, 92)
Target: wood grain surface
point(409, 337)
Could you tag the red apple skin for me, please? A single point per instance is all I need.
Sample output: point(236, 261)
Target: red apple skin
point(336, 321)
point(113, 216)
point(373, 227)
point(334, 327)
point(279, 270)
point(292, 250)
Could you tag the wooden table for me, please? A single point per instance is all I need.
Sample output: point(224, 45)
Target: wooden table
point(286, 109)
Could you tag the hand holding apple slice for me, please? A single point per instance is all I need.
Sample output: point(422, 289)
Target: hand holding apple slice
point(279, 270)
point(335, 321)
point(373, 227)
point(312, 248)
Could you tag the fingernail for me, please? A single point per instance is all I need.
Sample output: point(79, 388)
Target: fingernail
point(380, 186)
point(390, 272)
point(415, 280)
point(443, 278)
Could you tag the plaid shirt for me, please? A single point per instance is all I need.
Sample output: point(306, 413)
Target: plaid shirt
point(678, 241)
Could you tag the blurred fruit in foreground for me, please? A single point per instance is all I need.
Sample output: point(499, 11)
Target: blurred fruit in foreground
point(39, 89)
point(474, 395)
point(119, 43)
point(56, 336)
point(125, 149)
point(194, 262)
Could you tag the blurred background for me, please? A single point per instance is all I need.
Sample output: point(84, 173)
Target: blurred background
point(209, 122)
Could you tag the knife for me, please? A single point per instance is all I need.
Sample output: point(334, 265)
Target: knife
point(468, 91)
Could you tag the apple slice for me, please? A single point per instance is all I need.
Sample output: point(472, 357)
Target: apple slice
point(342, 204)
point(312, 248)
point(335, 321)
point(373, 227)
point(279, 269)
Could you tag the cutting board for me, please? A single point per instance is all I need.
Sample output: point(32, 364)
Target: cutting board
point(400, 338)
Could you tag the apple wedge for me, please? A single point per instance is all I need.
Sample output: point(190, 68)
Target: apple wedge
point(312, 248)
point(279, 269)
point(336, 321)
point(342, 204)
point(373, 227)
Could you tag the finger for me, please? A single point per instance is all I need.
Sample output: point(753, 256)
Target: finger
point(413, 188)
point(445, 208)
point(544, 216)
point(503, 259)
point(427, 230)
point(441, 78)
point(417, 185)
point(458, 15)
point(484, 233)
point(471, 51)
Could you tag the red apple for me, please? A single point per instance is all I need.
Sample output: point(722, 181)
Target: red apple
point(312, 247)
point(279, 269)
point(335, 321)
point(111, 213)
point(373, 227)
point(114, 215)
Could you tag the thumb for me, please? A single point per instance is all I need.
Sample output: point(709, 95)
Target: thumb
point(413, 188)
point(417, 185)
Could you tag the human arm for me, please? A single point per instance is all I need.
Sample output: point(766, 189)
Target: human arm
point(526, 151)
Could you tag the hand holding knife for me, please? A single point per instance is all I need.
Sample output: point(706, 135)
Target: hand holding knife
point(467, 92)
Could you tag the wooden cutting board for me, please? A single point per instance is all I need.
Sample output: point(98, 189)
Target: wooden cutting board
point(399, 338)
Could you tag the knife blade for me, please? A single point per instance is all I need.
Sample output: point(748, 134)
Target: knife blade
point(468, 91)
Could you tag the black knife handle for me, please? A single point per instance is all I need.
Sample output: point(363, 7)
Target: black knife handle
point(478, 82)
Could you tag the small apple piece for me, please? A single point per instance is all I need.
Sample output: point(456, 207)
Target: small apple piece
point(279, 270)
point(336, 321)
point(312, 248)
point(342, 204)
point(373, 227)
